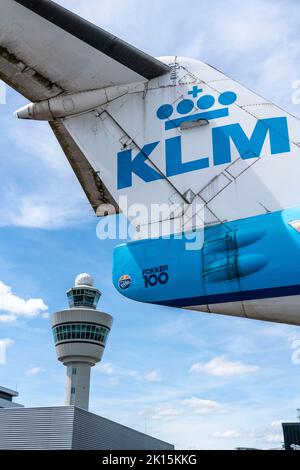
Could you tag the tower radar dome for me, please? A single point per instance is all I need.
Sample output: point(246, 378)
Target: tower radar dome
point(84, 279)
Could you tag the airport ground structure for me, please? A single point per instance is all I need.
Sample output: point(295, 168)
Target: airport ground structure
point(80, 336)
point(69, 428)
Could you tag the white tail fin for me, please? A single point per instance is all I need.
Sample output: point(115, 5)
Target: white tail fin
point(138, 130)
point(196, 136)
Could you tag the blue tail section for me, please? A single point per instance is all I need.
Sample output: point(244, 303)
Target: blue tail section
point(253, 258)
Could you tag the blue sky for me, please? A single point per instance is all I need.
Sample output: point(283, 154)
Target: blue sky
point(198, 380)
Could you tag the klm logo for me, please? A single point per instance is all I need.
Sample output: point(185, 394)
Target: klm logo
point(276, 129)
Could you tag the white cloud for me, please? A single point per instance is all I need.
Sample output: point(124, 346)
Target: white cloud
point(40, 210)
point(276, 424)
point(16, 306)
point(51, 197)
point(134, 374)
point(229, 434)
point(105, 368)
point(113, 381)
point(283, 332)
point(8, 318)
point(167, 412)
point(188, 407)
point(221, 367)
point(152, 376)
point(34, 371)
point(274, 438)
point(201, 406)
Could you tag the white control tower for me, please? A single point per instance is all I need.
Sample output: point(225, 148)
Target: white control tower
point(80, 335)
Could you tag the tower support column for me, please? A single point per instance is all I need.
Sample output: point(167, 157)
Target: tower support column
point(77, 388)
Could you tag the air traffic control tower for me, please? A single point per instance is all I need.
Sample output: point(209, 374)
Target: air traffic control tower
point(80, 335)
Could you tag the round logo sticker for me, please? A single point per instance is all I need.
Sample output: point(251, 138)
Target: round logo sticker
point(124, 281)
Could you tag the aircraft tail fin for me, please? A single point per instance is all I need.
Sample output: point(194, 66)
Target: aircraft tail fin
point(174, 140)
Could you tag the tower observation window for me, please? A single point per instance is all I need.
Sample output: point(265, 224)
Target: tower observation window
point(81, 331)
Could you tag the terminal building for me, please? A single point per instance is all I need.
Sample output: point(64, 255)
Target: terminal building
point(69, 428)
point(80, 336)
point(291, 434)
point(6, 398)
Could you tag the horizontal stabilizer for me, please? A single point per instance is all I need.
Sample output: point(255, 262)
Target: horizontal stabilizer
point(46, 50)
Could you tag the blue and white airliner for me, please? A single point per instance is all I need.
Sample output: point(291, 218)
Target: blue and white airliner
point(173, 132)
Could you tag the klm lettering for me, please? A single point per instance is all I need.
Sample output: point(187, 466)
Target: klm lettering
point(276, 129)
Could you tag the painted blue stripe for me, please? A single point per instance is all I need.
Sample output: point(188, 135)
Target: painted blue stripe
point(268, 293)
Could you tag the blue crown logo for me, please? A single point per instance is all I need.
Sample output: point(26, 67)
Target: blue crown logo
point(204, 103)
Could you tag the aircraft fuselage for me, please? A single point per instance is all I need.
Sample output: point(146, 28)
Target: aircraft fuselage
point(246, 268)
